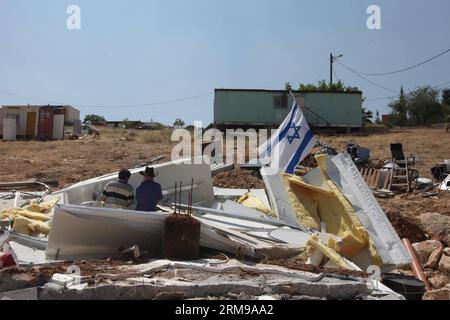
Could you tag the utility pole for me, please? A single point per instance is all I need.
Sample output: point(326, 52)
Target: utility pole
point(331, 68)
point(332, 59)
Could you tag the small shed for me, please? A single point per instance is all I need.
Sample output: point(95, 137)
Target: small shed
point(25, 116)
point(51, 123)
point(70, 114)
point(38, 121)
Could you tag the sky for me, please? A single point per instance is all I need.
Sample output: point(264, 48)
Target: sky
point(147, 52)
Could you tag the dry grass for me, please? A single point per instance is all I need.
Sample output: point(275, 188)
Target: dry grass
point(159, 136)
point(72, 161)
point(428, 145)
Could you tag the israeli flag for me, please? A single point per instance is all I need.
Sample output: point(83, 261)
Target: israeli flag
point(290, 144)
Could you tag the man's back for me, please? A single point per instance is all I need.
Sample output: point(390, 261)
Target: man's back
point(119, 193)
point(147, 195)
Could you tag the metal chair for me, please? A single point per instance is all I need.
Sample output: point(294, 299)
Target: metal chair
point(402, 175)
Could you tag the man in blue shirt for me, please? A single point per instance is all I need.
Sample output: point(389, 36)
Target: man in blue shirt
point(149, 192)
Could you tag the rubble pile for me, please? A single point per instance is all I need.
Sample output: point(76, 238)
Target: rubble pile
point(406, 226)
point(414, 204)
point(237, 179)
point(434, 258)
point(317, 236)
point(429, 233)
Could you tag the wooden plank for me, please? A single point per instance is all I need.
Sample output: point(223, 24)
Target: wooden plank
point(27, 184)
point(363, 173)
point(373, 178)
point(389, 180)
point(377, 178)
point(369, 177)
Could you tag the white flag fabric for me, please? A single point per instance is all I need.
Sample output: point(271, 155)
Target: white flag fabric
point(290, 144)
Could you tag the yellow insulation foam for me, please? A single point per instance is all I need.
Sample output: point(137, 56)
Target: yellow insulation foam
point(253, 202)
point(314, 204)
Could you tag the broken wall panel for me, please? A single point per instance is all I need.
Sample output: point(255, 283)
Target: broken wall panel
point(342, 170)
point(278, 197)
point(167, 174)
point(87, 233)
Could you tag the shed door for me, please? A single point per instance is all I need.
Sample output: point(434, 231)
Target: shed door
point(31, 124)
point(45, 123)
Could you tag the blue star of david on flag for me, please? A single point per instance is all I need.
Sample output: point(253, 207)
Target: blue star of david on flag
point(288, 146)
point(296, 134)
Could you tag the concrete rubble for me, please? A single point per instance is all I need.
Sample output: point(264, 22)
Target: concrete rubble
point(255, 243)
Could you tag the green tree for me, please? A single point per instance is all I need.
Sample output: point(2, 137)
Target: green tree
point(179, 123)
point(424, 107)
point(367, 116)
point(377, 117)
point(446, 104)
point(93, 118)
point(307, 87)
point(399, 109)
point(446, 97)
point(325, 86)
point(126, 122)
point(287, 86)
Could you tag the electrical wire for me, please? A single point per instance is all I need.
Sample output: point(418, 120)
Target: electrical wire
point(367, 80)
point(442, 84)
point(335, 76)
point(392, 97)
point(401, 70)
point(382, 98)
point(106, 106)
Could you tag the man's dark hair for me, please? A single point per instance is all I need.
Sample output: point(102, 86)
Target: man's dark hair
point(124, 174)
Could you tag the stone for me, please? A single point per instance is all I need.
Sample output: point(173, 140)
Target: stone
point(435, 257)
point(444, 263)
point(442, 294)
point(425, 249)
point(437, 226)
point(439, 281)
point(24, 277)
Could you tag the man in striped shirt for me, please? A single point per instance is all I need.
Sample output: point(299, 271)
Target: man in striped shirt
point(119, 193)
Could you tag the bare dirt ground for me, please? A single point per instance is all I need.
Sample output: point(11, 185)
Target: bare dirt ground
point(428, 145)
point(72, 161)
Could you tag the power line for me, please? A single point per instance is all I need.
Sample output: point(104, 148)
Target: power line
point(335, 76)
point(106, 106)
point(382, 98)
point(442, 84)
point(26, 97)
point(404, 69)
point(392, 97)
point(367, 80)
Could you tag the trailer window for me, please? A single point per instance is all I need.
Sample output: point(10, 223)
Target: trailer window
point(280, 102)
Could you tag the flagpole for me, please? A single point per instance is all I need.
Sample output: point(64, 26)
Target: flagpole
point(293, 97)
